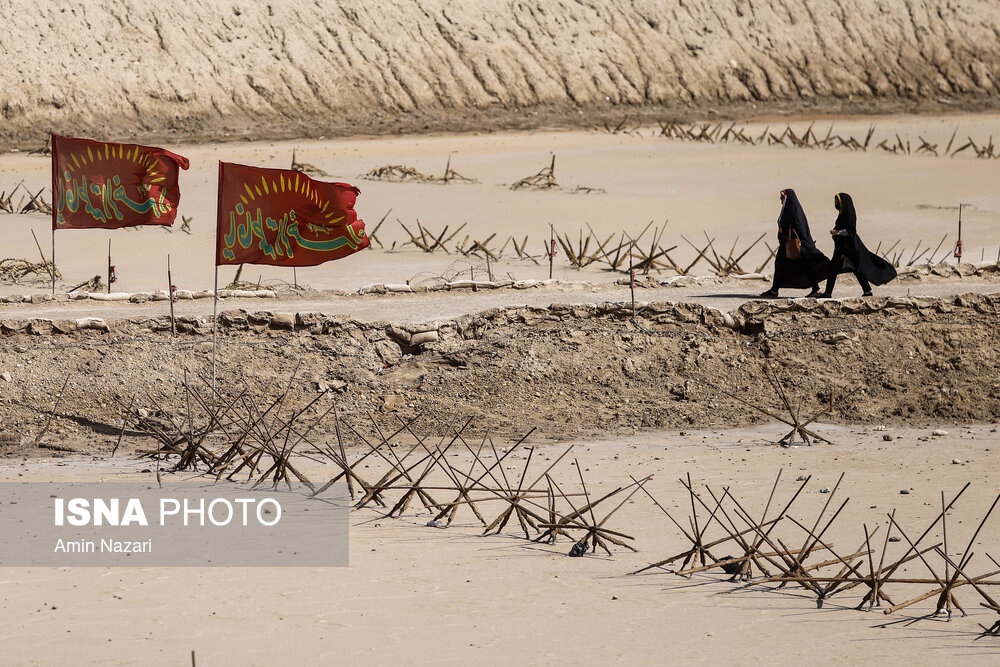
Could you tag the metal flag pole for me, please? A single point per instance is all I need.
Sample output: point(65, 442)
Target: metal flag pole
point(215, 291)
point(53, 261)
point(55, 205)
point(170, 296)
point(215, 328)
point(111, 269)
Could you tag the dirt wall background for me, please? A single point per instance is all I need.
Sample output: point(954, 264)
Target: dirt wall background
point(568, 370)
point(204, 68)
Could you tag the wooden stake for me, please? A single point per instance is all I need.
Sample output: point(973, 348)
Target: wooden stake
point(39, 246)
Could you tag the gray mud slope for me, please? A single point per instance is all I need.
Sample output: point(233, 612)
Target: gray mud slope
point(203, 67)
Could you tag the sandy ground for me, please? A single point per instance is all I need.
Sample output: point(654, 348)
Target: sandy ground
point(215, 69)
point(427, 307)
point(728, 192)
point(419, 594)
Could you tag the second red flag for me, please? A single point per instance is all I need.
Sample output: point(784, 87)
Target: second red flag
point(284, 218)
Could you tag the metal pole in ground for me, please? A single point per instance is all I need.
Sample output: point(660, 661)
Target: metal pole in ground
point(170, 296)
point(631, 283)
point(552, 248)
point(958, 244)
point(215, 329)
point(53, 260)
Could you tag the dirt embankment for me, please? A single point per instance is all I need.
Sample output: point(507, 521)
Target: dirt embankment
point(568, 370)
point(219, 68)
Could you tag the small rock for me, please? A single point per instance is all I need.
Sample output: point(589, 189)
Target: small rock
point(887, 437)
point(904, 492)
point(801, 478)
point(283, 321)
point(957, 462)
point(894, 539)
point(393, 402)
point(7, 377)
point(433, 523)
point(939, 432)
point(824, 490)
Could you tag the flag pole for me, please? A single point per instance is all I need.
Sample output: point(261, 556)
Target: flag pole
point(215, 291)
point(55, 206)
point(215, 327)
point(170, 295)
point(53, 261)
point(109, 266)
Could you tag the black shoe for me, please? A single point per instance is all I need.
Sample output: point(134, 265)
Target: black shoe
point(813, 294)
point(825, 295)
point(867, 293)
point(769, 294)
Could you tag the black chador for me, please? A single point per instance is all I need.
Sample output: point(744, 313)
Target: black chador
point(850, 255)
point(793, 230)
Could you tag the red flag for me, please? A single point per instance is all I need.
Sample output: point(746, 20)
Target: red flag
point(284, 218)
point(108, 185)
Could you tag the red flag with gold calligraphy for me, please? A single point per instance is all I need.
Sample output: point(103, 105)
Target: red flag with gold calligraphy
point(284, 218)
point(103, 185)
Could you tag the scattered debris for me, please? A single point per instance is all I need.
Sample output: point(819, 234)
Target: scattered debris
point(15, 270)
point(543, 180)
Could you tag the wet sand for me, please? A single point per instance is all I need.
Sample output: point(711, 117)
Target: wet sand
point(726, 191)
point(421, 594)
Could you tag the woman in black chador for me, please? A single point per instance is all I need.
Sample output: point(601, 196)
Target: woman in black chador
point(850, 255)
point(798, 263)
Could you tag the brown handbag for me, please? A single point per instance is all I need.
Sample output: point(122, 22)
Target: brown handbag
point(793, 247)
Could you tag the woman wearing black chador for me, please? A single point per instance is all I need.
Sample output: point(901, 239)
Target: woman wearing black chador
point(798, 263)
point(850, 255)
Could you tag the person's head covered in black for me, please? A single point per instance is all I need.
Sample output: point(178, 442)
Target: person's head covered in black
point(848, 217)
point(793, 218)
point(792, 214)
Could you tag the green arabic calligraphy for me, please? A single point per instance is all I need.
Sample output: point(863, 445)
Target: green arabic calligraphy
point(252, 227)
point(110, 197)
